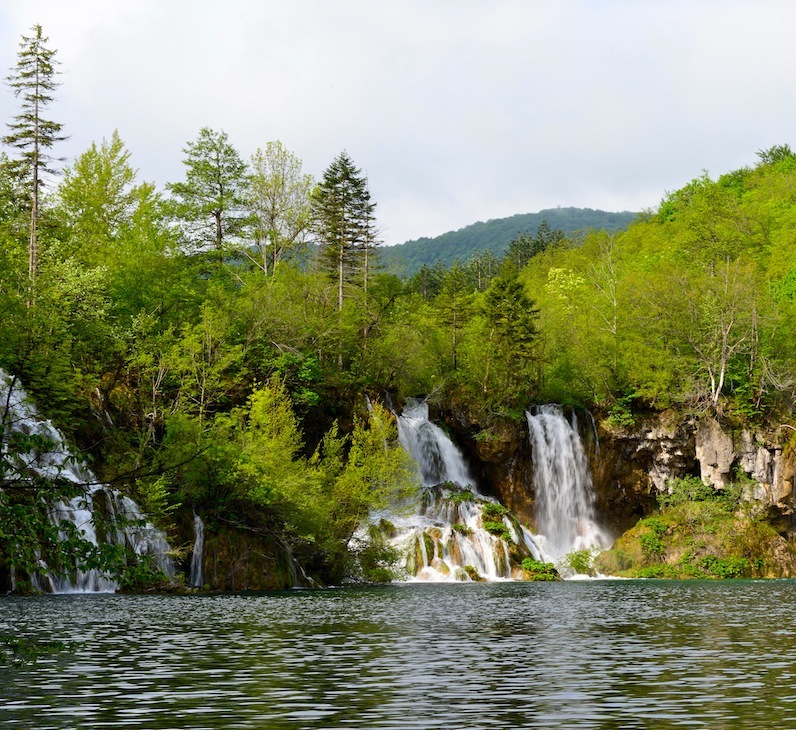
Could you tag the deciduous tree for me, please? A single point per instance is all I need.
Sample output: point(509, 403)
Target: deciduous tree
point(279, 200)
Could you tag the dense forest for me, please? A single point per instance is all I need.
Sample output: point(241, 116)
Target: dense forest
point(188, 342)
point(491, 239)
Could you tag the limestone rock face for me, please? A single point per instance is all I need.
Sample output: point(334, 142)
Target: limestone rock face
point(763, 460)
point(715, 452)
point(631, 465)
point(499, 458)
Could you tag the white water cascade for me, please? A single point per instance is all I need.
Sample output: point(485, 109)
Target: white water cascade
point(123, 521)
point(562, 480)
point(453, 532)
point(437, 456)
point(196, 578)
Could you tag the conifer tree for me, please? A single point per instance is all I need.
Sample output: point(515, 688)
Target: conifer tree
point(344, 224)
point(211, 200)
point(34, 81)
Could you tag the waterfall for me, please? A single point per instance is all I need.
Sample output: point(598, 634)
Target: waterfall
point(562, 481)
point(196, 578)
point(123, 523)
point(436, 455)
point(451, 531)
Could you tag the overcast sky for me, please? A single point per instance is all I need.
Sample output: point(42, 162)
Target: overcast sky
point(457, 110)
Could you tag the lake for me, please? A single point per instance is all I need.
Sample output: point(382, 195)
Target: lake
point(592, 654)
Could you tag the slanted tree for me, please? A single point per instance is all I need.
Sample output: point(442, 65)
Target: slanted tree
point(34, 81)
point(279, 200)
point(344, 224)
point(211, 200)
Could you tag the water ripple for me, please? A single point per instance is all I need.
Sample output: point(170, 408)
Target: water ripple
point(573, 655)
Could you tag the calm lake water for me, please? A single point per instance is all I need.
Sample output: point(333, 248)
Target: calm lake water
point(613, 654)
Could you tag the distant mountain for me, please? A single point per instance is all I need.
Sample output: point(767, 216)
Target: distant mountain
point(494, 235)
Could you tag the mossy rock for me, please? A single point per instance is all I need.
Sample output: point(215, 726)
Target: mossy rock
point(699, 540)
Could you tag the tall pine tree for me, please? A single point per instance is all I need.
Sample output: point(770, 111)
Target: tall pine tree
point(34, 81)
point(344, 224)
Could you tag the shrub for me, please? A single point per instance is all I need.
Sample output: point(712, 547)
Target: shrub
point(686, 489)
point(492, 510)
point(498, 529)
point(580, 561)
point(537, 570)
point(651, 545)
point(462, 529)
point(464, 496)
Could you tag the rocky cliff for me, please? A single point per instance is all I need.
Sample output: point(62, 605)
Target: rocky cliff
point(630, 465)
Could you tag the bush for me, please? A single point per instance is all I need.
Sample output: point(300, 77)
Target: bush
point(492, 510)
point(537, 570)
point(463, 496)
point(686, 489)
point(651, 545)
point(580, 561)
point(498, 529)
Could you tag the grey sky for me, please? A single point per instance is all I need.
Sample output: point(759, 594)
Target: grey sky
point(458, 110)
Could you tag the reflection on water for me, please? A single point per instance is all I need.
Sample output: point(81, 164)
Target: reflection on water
point(564, 655)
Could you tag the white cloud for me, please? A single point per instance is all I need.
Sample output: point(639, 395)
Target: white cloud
point(459, 110)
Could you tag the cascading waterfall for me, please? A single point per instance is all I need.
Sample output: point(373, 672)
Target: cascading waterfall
point(436, 455)
point(196, 578)
point(563, 485)
point(123, 520)
point(453, 533)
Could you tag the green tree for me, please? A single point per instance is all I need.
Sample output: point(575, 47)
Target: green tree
point(344, 224)
point(511, 317)
point(455, 306)
point(96, 199)
point(279, 200)
point(34, 81)
point(211, 200)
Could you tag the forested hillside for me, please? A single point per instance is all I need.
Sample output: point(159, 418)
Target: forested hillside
point(493, 237)
point(172, 336)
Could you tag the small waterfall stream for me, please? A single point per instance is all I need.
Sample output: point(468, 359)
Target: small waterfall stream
point(562, 480)
point(122, 522)
point(195, 578)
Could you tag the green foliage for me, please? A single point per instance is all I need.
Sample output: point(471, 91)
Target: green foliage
point(377, 558)
point(462, 529)
point(492, 510)
point(495, 236)
point(498, 529)
point(537, 570)
point(210, 201)
point(581, 561)
point(651, 545)
point(698, 539)
point(343, 221)
point(693, 489)
point(461, 496)
point(241, 392)
point(278, 197)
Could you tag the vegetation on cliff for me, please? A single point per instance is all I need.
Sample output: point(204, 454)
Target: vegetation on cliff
point(700, 532)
